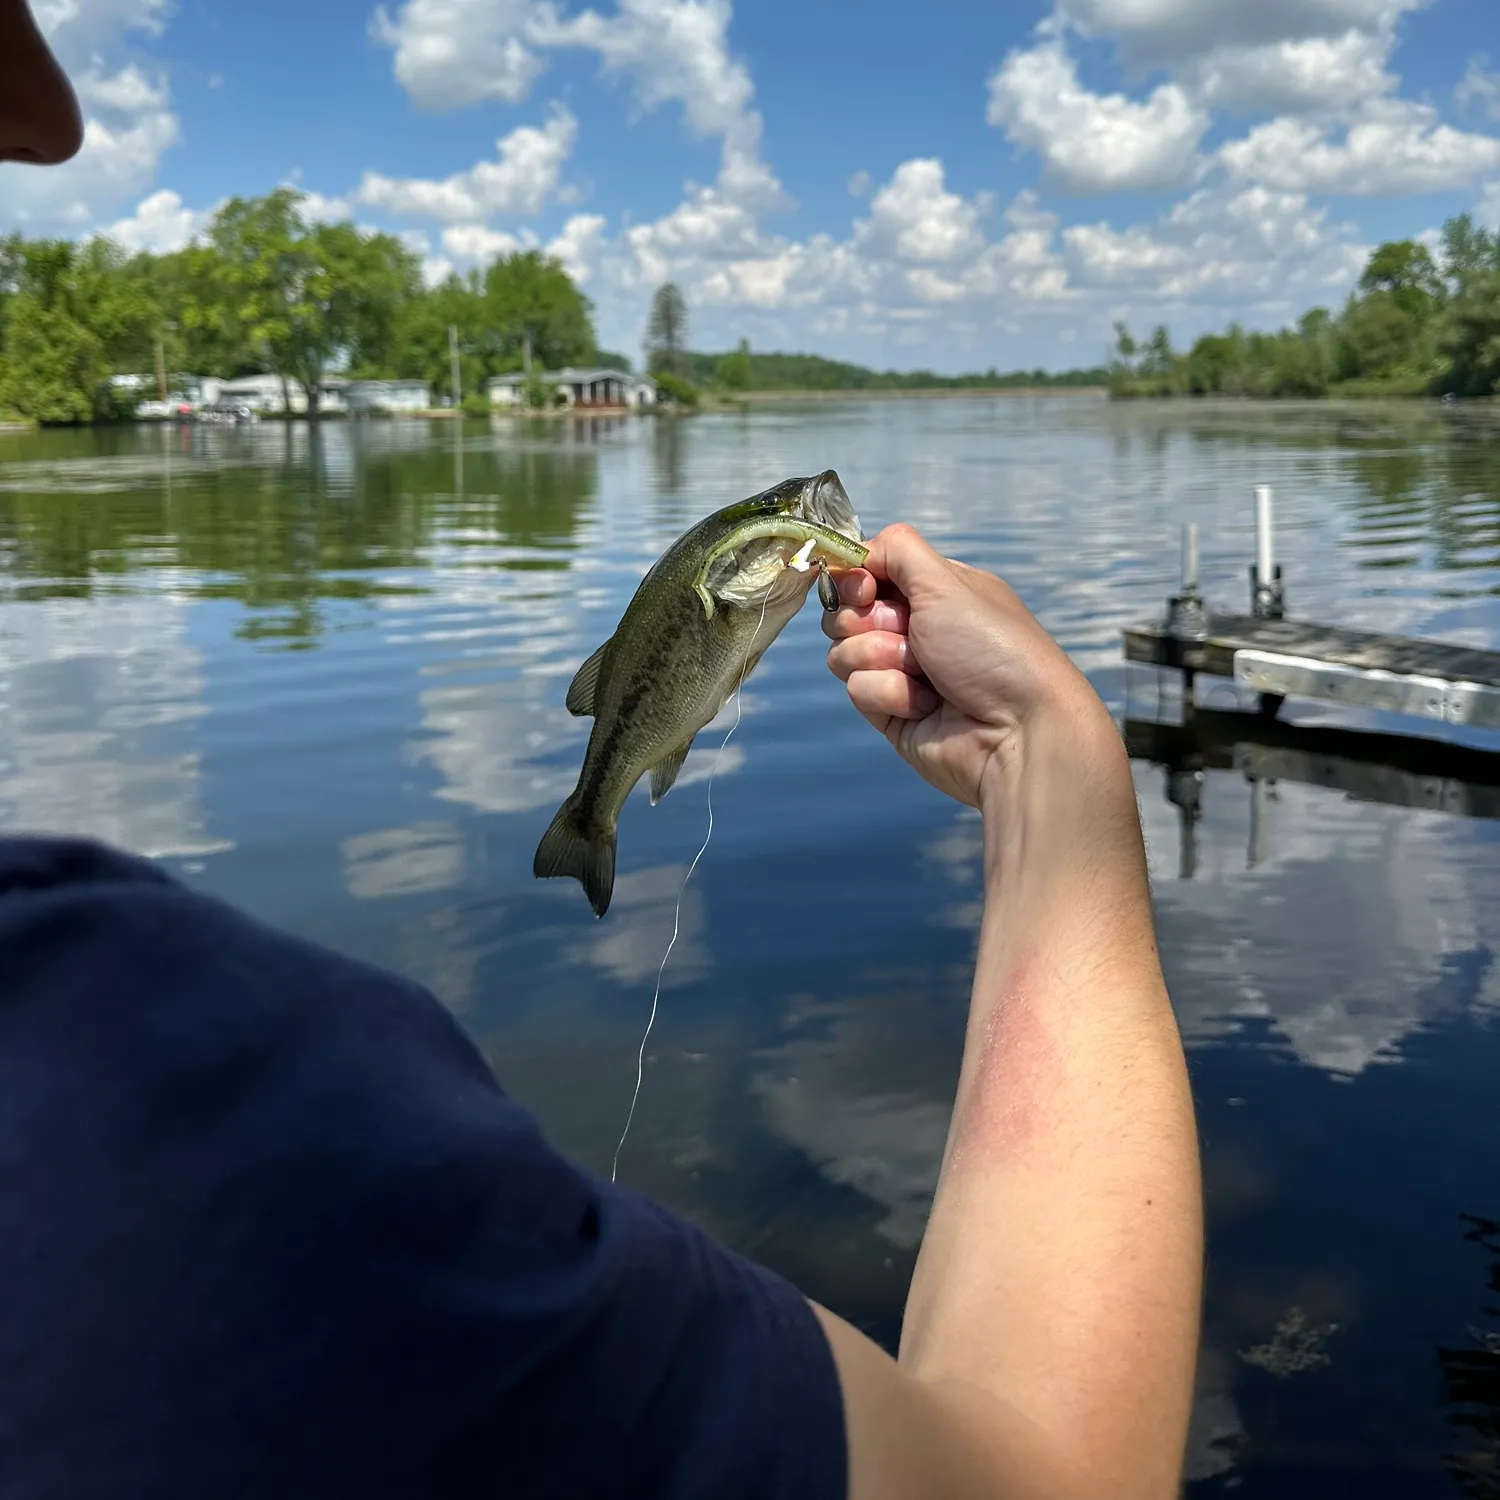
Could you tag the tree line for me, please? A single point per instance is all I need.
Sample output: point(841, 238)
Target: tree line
point(683, 371)
point(266, 291)
point(742, 369)
point(1415, 325)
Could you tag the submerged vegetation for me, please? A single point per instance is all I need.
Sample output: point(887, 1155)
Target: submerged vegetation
point(1415, 326)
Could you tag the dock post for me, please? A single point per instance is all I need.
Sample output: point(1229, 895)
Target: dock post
point(1267, 600)
point(1186, 618)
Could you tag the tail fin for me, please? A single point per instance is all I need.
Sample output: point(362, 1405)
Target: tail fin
point(566, 849)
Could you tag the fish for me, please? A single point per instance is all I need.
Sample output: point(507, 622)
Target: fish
point(694, 630)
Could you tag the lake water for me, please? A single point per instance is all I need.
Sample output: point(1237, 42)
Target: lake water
point(322, 675)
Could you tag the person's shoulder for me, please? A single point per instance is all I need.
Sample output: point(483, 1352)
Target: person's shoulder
point(36, 863)
point(303, 1167)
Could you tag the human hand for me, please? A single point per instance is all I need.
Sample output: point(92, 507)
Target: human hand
point(947, 663)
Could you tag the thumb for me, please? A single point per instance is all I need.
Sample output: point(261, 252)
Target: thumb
point(901, 555)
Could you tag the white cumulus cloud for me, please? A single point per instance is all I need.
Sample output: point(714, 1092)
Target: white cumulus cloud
point(579, 245)
point(1166, 32)
point(161, 223)
point(476, 243)
point(1479, 88)
point(520, 180)
point(451, 53)
point(916, 218)
point(1397, 147)
point(1310, 74)
point(1092, 142)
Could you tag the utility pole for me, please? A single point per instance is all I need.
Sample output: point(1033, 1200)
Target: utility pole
point(161, 373)
point(526, 350)
point(453, 366)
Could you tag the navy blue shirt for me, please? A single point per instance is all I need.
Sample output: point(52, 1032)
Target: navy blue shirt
point(270, 1227)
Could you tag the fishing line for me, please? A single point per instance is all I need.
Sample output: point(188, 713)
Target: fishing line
point(739, 707)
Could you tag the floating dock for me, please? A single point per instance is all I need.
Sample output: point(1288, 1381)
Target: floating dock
point(1279, 658)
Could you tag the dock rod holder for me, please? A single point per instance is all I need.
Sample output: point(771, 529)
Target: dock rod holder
point(1186, 617)
point(1267, 597)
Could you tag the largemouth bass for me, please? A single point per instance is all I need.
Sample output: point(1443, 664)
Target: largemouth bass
point(697, 626)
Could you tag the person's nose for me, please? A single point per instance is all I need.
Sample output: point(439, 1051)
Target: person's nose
point(39, 119)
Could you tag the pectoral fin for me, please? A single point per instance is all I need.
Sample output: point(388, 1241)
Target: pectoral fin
point(585, 680)
point(664, 772)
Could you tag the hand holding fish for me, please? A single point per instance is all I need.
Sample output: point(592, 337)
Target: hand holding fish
point(947, 663)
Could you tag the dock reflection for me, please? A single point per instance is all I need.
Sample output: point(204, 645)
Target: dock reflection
point(1397, 770)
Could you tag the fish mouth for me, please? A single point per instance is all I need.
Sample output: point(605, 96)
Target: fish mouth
point(826, 501)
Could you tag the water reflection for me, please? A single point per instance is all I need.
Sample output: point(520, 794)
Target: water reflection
point(98, 707)
point(631, 950)
point(864, 1087)
point(667, 456)
point(284, 518)
point(403, 861)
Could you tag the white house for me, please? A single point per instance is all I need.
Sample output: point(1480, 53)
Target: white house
point(387, 395)
point(582, 388)
point(265, 393)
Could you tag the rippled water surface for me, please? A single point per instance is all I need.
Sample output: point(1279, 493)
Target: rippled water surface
point(322, 675)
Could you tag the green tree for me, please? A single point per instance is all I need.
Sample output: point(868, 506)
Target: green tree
point(1210, 361)
point(530, 301)
point(386, 279)
point(1468, 250)
point(666, 330)
point(303, 297)
point(679, 392)
point(76, 315)
point(201, 329)
point(1297, 368)
point(420, 338)
point(1122, 364)
point(1471, 337)
point(732, 371)
point(261, 272)
point(1405, 271)
point(1377, 335)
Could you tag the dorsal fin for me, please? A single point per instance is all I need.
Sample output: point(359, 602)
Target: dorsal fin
point(585, 681)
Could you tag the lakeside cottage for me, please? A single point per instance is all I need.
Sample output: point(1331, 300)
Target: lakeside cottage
point(387, 396)
point(586, 388)
point(337, 395)
point(268, 393)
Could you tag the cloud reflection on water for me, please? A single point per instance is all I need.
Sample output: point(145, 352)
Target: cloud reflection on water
point(98, 698)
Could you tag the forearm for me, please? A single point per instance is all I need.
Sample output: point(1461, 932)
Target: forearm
point(1060, 1272)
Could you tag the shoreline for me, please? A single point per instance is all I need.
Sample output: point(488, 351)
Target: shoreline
point(896, 393)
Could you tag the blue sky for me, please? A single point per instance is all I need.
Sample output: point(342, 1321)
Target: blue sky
point(967, 186)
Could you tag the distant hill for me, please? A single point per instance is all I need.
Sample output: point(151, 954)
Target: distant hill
point(811, 372)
